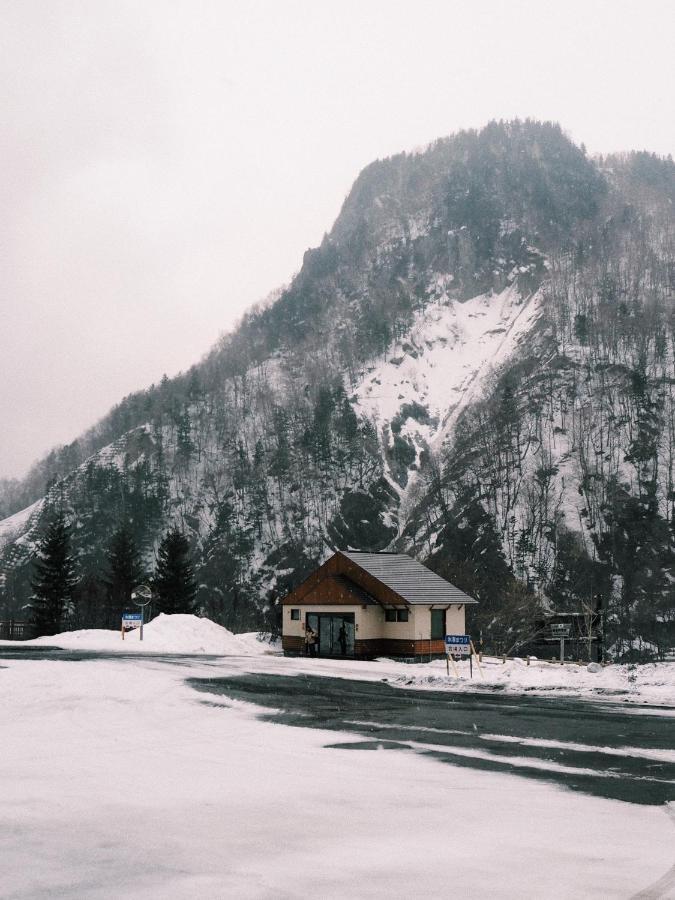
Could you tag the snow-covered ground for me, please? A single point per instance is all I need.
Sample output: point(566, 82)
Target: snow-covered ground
point(119, 781)
point(648, 683)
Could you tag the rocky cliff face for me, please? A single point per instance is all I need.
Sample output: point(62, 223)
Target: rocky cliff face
point(475, 365)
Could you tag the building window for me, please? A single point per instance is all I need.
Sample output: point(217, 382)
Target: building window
point(396, 615)
point(295, 615)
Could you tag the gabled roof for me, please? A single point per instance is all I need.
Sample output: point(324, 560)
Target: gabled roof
point(412, 581)
point(390, 579)
point(354, 588)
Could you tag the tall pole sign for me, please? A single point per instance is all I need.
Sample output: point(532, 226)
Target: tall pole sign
point(141, 596)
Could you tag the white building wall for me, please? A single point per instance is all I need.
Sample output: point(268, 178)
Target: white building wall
point(371, 624)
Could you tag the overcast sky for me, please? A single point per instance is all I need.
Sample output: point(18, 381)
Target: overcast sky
point(165, 163)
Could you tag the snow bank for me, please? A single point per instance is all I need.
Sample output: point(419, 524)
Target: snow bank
point(260, 643)
point(648, 683)
point(164, 634)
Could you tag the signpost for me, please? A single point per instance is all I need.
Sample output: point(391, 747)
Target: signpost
point(142, 595)
point(560, 630)
point(131, 621)
point(457, 645)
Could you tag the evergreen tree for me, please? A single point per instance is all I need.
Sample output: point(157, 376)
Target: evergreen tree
point(185, 447)
point(224, 566)
point(54, 580)
point(125, 571)
point(469, 554)
point(174, 580)
point(90, 602)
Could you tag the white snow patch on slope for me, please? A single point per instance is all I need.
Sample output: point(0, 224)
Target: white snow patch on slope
point(15, 524)
point(443, 360)
point(164, 634)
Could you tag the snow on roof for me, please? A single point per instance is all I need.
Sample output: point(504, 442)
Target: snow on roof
point(408, 578)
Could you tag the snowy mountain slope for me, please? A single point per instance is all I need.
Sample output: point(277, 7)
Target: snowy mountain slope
point(436, 367)
point(486, 322)
point(441, 364)
point(570, 450)
point(15, 525)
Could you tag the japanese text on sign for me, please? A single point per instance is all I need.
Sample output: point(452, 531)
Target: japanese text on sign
point(131, 621)
point(458, 644)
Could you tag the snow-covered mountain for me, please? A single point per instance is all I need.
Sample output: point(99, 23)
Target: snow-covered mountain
point(441, 364)
point(475, 365)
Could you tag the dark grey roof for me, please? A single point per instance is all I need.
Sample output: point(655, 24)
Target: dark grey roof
point(409, 579)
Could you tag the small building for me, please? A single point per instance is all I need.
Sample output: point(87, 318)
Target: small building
point(11, 630)
point(584, 638)
point(365, 605)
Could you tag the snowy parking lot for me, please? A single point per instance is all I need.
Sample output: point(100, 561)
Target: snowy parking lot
point(118, 779)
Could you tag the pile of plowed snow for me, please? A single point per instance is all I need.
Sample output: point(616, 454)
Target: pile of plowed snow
point(164, 634)
point(644, 683)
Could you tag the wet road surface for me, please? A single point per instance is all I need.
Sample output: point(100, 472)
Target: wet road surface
point(597, 748)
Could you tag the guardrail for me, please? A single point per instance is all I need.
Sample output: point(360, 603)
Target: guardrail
point(552, 660)
point(17, 631)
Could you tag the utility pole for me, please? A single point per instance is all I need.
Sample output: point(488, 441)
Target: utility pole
point(601, 628)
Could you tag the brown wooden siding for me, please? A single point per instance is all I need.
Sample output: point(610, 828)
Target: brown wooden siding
point(373, 648)
point(292, 644)
point(396, 647)
point(331, 591)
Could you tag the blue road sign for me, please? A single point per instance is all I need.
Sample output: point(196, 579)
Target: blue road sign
point(134, 617)
point(458, 644)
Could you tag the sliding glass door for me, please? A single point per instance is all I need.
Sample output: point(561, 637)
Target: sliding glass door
point(336, 633)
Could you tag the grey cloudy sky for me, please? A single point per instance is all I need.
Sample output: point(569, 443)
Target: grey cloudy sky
point(166, 163)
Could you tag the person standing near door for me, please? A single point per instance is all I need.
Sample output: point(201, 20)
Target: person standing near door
point(310, 641)
point(342, 639)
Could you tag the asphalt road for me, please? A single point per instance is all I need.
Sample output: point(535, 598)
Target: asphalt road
point(605, 749)
point(602, 749)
